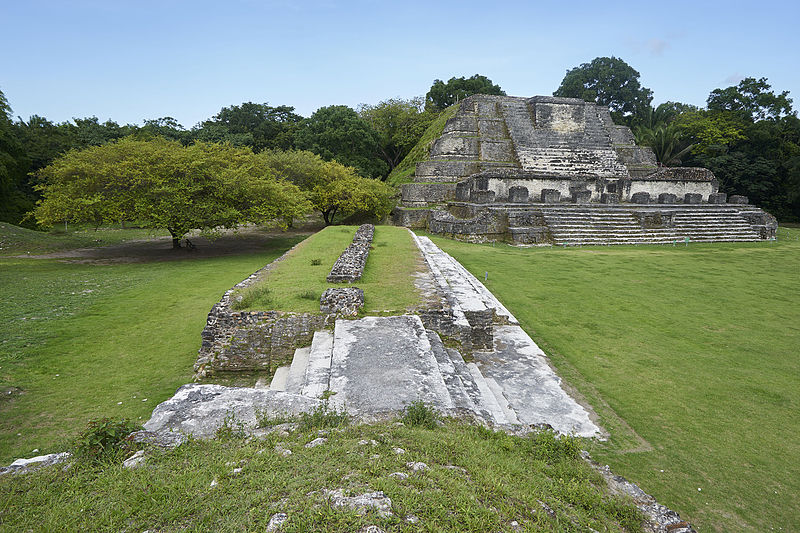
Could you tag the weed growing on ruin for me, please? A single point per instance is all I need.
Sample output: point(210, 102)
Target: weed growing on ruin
point(323, 416)
point(104, 440)
point(231, 428)
point(256, 296)
point(420, 414)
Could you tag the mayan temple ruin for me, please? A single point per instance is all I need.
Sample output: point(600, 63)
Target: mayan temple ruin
point(547, 170)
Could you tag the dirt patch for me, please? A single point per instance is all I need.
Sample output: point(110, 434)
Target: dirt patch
point(242, 241)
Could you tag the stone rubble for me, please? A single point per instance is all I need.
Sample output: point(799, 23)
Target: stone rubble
point(343, 301)
point(361, 503)
point(350, 265)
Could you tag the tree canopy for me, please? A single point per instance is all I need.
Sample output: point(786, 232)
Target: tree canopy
point(752, 99)
point(258, 126)
point(162, 184)
point(442, 95)
point(399, 124)
point(338, 133)
point(608, 81)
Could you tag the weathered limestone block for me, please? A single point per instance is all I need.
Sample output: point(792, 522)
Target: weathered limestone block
point(480, 323)
point(424, 194)
point(692, 198)
point(551, 196)
point(717, 198)
point(342, 301)
point(581, 196)
point(738, 199)
point(667, 198)
point(640, 198)
point(609, 198)
point(462, 191)
point(518, 195)
point(410, 218)
point(481, 197)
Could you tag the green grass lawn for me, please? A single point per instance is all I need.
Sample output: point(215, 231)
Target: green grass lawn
point(82, 340)
point(476, 480)
point(690, 355)
point(15, 240)
point(297, 283)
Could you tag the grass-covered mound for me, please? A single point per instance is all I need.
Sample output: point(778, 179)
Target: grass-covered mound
point(89, 339)
point(404, 172)
point(474, 480)
point(297, 282)
point(690, 356)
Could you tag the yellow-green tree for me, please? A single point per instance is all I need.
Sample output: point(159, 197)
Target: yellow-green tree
point(162, 184)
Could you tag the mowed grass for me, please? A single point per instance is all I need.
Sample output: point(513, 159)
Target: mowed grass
point(15, 240)
point(297, 282)
point(476, 480)
point(84, 340)
point(690, 355)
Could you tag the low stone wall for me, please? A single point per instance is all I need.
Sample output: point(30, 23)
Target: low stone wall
point(346, 301)
point(350, 265)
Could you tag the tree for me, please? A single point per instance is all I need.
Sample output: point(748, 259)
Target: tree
point(399, 124)
point(341, 191)
point(608, 81)
point(259, 126)
point(442, 95)
point(667, 141)
point(161, 184)
point(14, 201)
point(166, 127)
point(333, 188)
point(338, 133)
point(752, 99)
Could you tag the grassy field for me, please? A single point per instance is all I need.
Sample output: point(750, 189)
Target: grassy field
point(476, 480)
point(83, 339)
point(15, 240)
point(688, 354)
point(297, 283)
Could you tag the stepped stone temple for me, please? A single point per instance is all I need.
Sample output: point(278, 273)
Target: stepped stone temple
point(547, 170)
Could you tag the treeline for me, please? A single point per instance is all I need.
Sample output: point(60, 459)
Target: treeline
point(372, 139)
point(747, 134)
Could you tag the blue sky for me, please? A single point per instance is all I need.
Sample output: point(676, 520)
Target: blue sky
point(130, 61)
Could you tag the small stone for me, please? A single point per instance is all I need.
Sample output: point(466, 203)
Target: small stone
point(415, 466)
point(399, 475)
point(237, 470)
point(412, 519)
point(214, 483)
point(134, 460)
point(316, 442)
point(284, 451)
point(375, 456)
point(276, 521)
point(398, 451)
point(119, 403)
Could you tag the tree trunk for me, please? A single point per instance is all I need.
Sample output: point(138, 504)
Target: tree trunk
point(176, 239)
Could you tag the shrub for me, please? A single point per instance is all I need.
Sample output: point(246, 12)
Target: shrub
point(309, 295)
point(323, 416)
point(420, 414)
point(316, 262)
point(104, 439)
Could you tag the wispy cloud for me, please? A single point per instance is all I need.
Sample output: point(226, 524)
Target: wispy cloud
point(657, 46)
point(733, 79)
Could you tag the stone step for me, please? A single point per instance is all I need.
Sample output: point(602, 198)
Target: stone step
point(318, 369)
point(485, 407)
point(486, 396)
point(279, 379)
point(297, 370)
point(502, 401)
point(458, 394)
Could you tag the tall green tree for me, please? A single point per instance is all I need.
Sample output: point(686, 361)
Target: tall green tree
point(611, 82)
point(338, 133)
point(13, 200)
point(752, 99)
point(162, 184)
point(442, 95)
point(399, 124)
point(259, 126)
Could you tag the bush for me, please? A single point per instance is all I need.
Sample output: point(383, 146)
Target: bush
point(420, 414)
point(104, 440)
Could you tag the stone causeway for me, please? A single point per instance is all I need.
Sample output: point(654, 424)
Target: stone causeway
point(547, 170)
point(467, 358)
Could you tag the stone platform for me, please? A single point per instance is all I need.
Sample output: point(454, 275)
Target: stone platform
point(374, 367)
point(546, 170)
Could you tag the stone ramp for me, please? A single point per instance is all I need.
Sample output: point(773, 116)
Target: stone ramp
point(382, 364)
